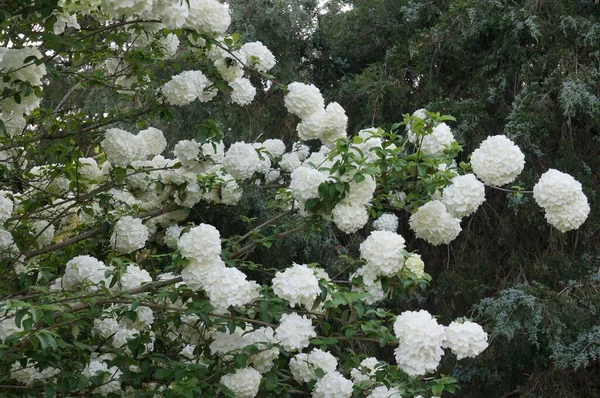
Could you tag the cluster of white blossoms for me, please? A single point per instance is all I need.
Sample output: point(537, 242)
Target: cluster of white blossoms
point(367, 370)
point(436, 142)
point(243, 92)
point(110, 382)
point(414, 265)
point(244, 383)
point(15, 71)
point(224, 286)
point(303, 366)
point(29, 374)
point(318, 122)
point(386, 222)
point(129, 234)
point(497, 161)
point(562, 198)
point(384, 392)
point(8, 325)
point(258, 56)
point(122, 147)
point(433, 223)
point(463, 196)
point(421, 339)
point(384, 252)
point(466, 340)
point(241, 160)
point(333, 385)
point(294, 332)
point(297, 285)
point(187, 87)
point(84, 270)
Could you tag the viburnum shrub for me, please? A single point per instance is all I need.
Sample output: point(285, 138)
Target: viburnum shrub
point(108, 288)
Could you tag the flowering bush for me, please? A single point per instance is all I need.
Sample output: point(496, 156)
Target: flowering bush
point(163, 303)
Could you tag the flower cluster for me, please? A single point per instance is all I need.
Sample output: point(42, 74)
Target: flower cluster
point(325, 123)
point(421, 339)
point(298, 285)
point(433, 223)
point(563, 199)
point(497, 161)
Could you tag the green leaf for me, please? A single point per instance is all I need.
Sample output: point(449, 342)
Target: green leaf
point(437, 389)
point(162, 374)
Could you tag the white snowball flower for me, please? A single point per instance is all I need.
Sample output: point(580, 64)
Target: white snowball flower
point(312, 126)
point(6, 240)
point(241, 160)
point(258, 56)
point(335, 124)
point(386, 222)
point(201, 243)
point(106, 327)
point(208, 17)
point(497, 161)
point(303, 366)
point(44, 232)
point(173, 14)
point(466, 340)
point(6, 206)
point(129, 8)
point(305, 183)
point(227, 287)
point(303, 99)
point(129, 234)
point(297, 285)
point(65, 20)
point(294, 332)
point(244, 382)
point(228, 344)
point(384, 392)
point(12, 64)
point(348, 217)
point(374, 289)
point(111, 376)
point(415, 265)
point(433, 223)
point(30, 374)
point(8, 325)
point(185, 87)
point(367, 370)
point(89, 169)
point(333, 385)
point(361, 193)
point(243, 92)
point(134, 277)
point(463, 196)
point(261, 338)
point(420, 340)
point(434, 144)
point(229, 69)
point(154, 139)
point(172, 235)
point(169, 44)
point(274, 146)
point(290, 162)
point(563, 199)
point(384, 251)
point(187, 152)
point(123, 335)
point(84, 269)
point(122, 147)
point(14, 124)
